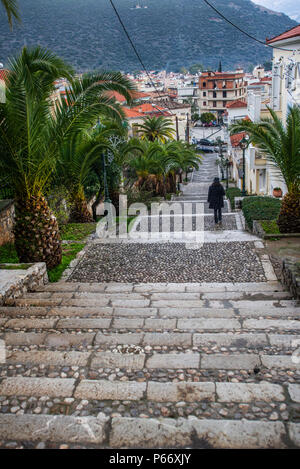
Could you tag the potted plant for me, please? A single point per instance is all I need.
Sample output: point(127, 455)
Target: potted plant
point(277, 192)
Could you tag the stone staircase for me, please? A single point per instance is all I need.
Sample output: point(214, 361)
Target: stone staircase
point(211, 365)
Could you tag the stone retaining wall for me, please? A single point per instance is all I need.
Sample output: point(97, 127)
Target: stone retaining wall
point(7, 212)
point(14, 283)
point(290, 276)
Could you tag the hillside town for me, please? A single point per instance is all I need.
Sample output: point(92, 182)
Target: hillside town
point(150, 256)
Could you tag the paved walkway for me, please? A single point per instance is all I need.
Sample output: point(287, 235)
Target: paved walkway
point(151, 344)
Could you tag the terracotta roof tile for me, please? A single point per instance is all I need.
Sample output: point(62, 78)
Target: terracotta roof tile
point(235, 139)
point(236, 104)
point(294, 32)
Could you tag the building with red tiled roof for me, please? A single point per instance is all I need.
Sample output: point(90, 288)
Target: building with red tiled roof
point(286, 71)
point(236, 104)
point(3, 74)
point(289, 34)
point(218, 89)
point(236, 139)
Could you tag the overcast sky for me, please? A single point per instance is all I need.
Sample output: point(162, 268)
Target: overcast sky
point(289, 7)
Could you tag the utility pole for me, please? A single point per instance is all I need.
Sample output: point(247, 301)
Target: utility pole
point(187, 129)
point(177, 130)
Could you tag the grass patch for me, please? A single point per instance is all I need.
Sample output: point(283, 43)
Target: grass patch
point(270, 226)
point(15, 266)
point(76, 231)
point(8, 254)
point(69, 253)
point(260, 208)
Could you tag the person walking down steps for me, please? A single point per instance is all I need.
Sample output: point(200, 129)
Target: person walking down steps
point(215, 198)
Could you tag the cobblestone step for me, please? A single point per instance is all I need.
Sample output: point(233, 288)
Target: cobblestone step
point(160, 287)
point(7, 312)
point(142, 302)
point(227, 295)
point(122, 432)
point(105, 390)
point(154, 360)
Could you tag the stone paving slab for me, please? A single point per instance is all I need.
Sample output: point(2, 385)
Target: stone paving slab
point(230, 339)
point(294, 392)
point(209, 324)
point(280, 362)
point(284, 340)
point(67, 340)
point(106, 390)
point(196, 312)
point(229, 362)
point(54, 428)
point(166, 338)
point(25, 338)
point(31, 323)
point(129, 323)
point(294, 433)
point(287, 325)
point(116, 339)
point(170, 433)
point(85, 323)
point(178, 392)
point(118, 360)
point(173, 361)
point(244, 392)
point(71, 311)
point(49, 357)
point(52, 387)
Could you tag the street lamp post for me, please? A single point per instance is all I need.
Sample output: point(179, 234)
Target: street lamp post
point(244, 145)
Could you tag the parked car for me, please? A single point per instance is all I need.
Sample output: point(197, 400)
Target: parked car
point(206, 142)
point(205, 148)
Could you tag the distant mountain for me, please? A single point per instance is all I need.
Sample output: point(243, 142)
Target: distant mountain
point(168, 34)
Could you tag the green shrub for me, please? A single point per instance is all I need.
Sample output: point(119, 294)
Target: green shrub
point(270, 226)
point(260, 208)
point(231, 193)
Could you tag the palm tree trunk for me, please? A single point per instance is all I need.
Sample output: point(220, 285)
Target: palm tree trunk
point(289, 216)
point(79, 212)
point(36, 232)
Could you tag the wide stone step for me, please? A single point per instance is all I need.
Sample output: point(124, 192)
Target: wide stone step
point(172, 360)
point(105, 390)
point(173, 325)
point(227, 295)
point(7, 312)
point(161, 287)
point(126, 432)
point(154, 300)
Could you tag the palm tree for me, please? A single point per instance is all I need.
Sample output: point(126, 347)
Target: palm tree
point(81, 151)
point(281, 146)
point(11, 8)
point(33, 134)
point(157, 128)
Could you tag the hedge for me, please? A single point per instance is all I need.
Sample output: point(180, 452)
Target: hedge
point(260, 208)
point(231, 193)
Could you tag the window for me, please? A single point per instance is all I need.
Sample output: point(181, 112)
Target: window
point(224, 103)
point(204, 84)
point(215, 104)
point(204, 93)
point(214, 94)
point(224, 94)
point(204, 103)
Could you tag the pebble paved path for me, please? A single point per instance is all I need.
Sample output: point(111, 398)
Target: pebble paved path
point(137, 350)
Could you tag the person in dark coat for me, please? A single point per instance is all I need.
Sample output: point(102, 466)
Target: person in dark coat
point(215, 198)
